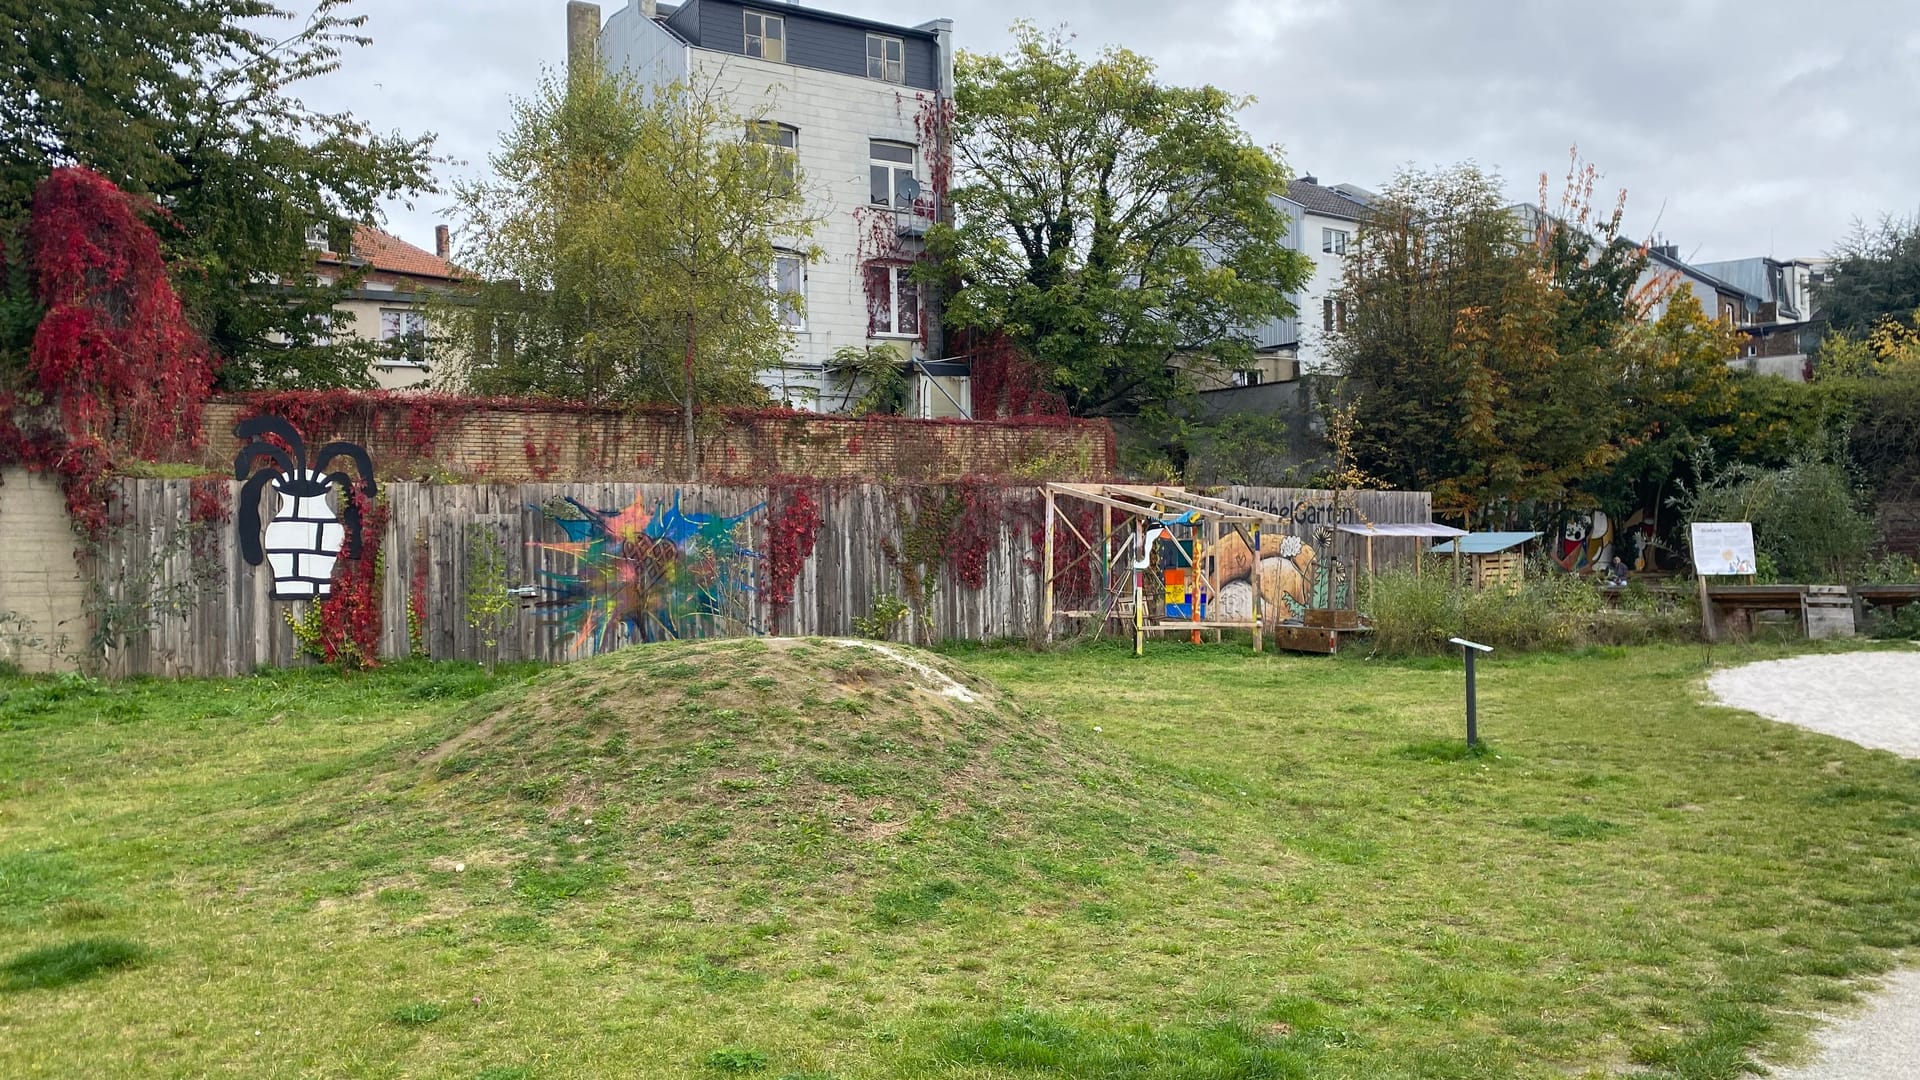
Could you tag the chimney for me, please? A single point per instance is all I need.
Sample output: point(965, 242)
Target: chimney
point(649, 9)
point(1310, 179)
point(442, 241)
point(583, 35)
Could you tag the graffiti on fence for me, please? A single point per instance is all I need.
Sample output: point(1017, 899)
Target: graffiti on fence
point(304, 535)
point(1285, 575)
point(649, 573)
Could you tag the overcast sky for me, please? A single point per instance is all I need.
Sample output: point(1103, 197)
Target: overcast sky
point(1737, 128)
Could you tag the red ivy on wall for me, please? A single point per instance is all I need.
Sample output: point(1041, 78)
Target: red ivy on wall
point(791, 530)
point(113, 353)
point(350, 615)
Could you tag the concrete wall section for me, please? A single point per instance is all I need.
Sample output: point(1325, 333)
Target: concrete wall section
point(43, 616)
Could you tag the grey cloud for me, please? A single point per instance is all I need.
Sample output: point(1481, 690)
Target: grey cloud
point(1744, 128)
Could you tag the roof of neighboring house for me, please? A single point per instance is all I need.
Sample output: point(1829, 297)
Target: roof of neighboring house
point(1692, 271)
point(1344, 201)
point(1486, 543)
point(382, 251)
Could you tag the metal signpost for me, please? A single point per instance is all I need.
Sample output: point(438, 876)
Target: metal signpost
point(1467, 649)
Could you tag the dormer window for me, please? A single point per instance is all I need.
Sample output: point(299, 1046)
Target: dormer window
point(766, 36)
point(317, 237)
point(886, 58)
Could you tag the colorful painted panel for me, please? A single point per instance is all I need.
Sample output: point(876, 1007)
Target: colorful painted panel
point(649, 573)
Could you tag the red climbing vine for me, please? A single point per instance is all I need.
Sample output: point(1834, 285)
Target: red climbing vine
point(791, 530)
point(113, 355)
point(350, 615)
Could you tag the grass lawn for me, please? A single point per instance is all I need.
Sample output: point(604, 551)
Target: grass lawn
point(700, 861)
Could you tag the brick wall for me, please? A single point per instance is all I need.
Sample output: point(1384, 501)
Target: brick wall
point(437, 438)
point(42, 595)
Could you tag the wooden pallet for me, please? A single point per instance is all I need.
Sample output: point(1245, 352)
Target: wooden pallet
point(1312, 639)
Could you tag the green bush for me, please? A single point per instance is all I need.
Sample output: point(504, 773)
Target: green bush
point(1550, 609)
point(1807, 521)
point(1901, 624)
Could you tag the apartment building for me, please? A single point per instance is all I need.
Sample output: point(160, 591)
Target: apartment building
point(859, 104)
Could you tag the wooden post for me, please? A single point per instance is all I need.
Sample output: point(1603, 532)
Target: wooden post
point(1140, 555)
point(1106, 563)
point(1706, 610)
point(1370, 575)
point(1259, 592)
point(1194, 578)
point(1046, 571)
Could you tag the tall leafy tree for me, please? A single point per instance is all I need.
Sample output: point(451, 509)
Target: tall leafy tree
point(1118, 228)
point(627, 238)
point(1478, 374)
point(1874, 275)
point(191, 104)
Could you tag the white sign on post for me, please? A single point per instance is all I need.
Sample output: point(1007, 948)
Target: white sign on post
point(1723, 547)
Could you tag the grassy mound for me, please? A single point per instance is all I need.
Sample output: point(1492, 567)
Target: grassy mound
point(798, 762)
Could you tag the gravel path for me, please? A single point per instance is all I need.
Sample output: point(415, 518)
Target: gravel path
point(1872, 699)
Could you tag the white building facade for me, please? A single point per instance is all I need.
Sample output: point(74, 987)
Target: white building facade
point(1324, 223)
point(861, 105)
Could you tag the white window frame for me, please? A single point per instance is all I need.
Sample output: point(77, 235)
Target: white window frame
point(894, 168)
point(783, 310)
point(756, 35)
point(1335, 241)
point(786, 139)
point(412, 324)
point(317, 238)
point(880, 65)
point(897, 275)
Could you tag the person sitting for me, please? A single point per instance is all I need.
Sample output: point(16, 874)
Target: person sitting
point(1617, 571)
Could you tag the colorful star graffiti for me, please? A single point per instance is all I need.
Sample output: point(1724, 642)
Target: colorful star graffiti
point(649, 574)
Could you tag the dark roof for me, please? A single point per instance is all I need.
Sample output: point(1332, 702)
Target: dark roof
point(783, 7)
point(1326, 201)
point(1695, 272)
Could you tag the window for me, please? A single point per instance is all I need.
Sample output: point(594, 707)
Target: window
point(402, 324)
point(1334, 241)
point(892, 182)
point(886, 59)
point(317, 237)
point(893, 302)
point(1726, 313)
point(1333, 314)
point(788, 278)
point(1247, 377)
point(782, 137)
point(766, 36)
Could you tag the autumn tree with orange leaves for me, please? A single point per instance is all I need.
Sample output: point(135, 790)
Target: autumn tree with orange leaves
point(1484, 343)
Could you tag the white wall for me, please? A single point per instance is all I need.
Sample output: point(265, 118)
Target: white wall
point(836, 116)
point(1329, 270)
point(633, 43)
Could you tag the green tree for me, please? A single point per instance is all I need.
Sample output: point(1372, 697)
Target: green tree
point(1116, 227)
point(1478, 376)
point(626, 243)
point(192, 103)
point(1874, 275)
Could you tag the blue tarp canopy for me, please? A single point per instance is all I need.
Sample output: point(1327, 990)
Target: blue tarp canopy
point(1486, 543)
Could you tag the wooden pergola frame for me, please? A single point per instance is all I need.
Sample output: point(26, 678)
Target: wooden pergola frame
point(1145, 508)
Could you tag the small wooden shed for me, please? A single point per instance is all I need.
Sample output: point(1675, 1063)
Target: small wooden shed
point(1497, 558)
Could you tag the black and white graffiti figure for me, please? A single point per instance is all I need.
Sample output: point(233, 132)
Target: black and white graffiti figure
point(304, 536)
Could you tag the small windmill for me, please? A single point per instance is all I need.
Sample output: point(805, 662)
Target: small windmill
point(304, 536)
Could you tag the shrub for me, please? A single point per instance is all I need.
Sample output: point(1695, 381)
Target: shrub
point(1901, 624)
point(1806, 517)
point(1550, 609)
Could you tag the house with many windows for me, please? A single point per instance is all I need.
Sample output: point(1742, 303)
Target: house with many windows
point(388, 302)
point(1323, 223)
point(859, 105)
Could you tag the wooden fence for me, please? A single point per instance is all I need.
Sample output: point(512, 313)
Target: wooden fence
point(218, 616)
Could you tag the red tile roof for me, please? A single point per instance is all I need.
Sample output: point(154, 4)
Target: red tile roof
point(394, 255)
